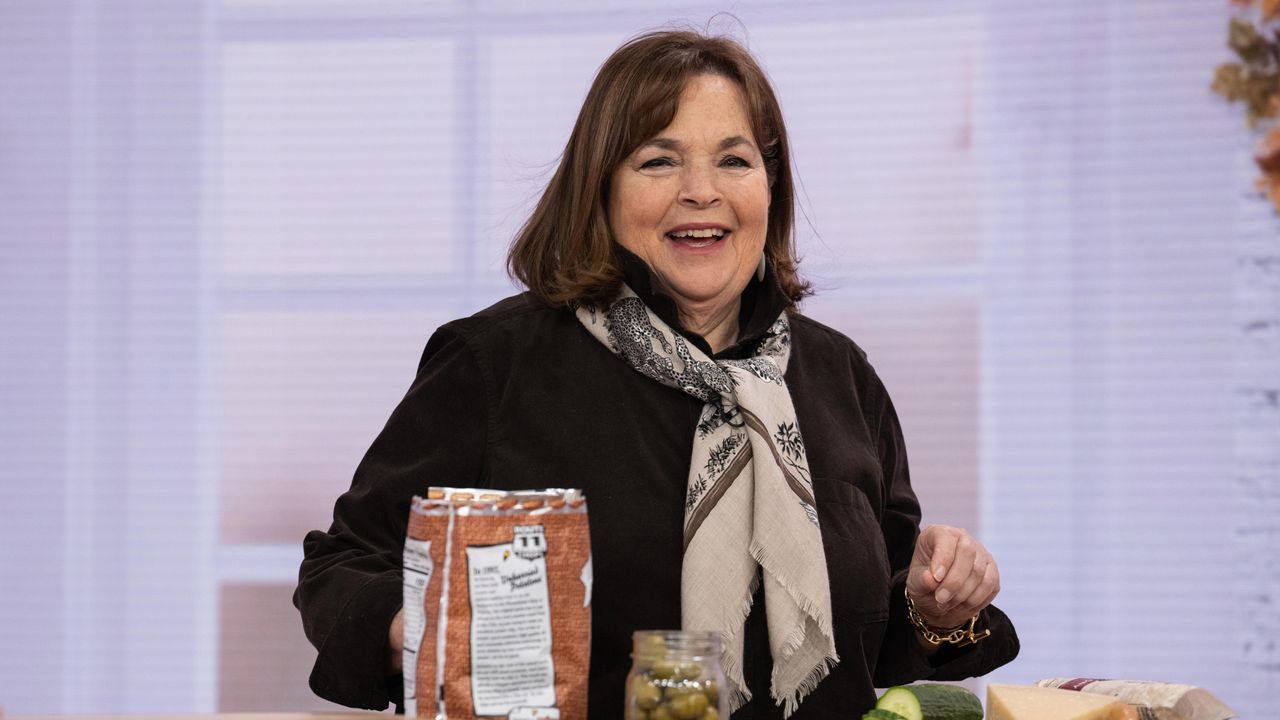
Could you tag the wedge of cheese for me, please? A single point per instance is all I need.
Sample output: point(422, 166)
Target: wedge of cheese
point(1019, 702)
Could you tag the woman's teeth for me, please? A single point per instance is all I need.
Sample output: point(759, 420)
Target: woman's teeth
point(709, 232)
point(697, 238)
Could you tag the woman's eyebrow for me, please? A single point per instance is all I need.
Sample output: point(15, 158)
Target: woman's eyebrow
point(664, 143)
point(729, 142)
point(673, 145)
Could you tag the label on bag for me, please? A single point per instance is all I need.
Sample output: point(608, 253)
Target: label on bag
point(511, 663)
point(418, 569)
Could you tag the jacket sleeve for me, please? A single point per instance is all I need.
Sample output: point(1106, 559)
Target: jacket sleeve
point(349, 584)
point(902, 660)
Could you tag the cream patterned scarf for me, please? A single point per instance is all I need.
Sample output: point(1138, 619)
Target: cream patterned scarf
point(749, 500)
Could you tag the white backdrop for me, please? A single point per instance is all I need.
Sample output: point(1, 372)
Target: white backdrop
point(227, 227)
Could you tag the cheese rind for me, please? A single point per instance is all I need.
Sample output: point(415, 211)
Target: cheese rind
point(1018, 702)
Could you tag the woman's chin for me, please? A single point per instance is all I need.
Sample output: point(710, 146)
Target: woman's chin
point(704, 295)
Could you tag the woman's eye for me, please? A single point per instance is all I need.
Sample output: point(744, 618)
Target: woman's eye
point(656, 162)
point(735, 161)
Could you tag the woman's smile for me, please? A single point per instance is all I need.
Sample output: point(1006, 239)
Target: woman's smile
point(699, 238)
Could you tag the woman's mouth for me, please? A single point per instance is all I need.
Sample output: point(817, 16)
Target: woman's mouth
point(698, 239)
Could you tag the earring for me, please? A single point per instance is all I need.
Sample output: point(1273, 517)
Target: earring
point(760, 270)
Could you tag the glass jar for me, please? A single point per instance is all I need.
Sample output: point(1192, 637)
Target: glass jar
point(676, 675)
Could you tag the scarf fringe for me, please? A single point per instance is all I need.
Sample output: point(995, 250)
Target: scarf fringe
point(791, 703)
point(790, 700)
point(821, 616)
point(736, 696)
point(739, 693)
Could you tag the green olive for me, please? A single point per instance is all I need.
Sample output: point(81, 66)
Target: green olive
point(653, 645)
point(664, 669)
point(660, 713)
point(645, 694)
point(689, 707)
point(688, 670)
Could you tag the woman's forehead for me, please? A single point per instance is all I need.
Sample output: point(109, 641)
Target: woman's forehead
point(711, 110)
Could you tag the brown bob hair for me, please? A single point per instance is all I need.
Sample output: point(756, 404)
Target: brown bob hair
point(565, 253)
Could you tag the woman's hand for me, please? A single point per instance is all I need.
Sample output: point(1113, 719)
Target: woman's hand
point(952, 576)
point(395, 647)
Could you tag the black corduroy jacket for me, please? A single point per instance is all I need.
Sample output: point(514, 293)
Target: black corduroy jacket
point(520, 396)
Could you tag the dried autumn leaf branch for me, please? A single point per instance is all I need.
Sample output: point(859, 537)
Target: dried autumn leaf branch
point(1270, 8)
point(1255, 82)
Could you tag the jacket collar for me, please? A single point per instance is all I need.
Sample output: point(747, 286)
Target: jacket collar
point(762, 303)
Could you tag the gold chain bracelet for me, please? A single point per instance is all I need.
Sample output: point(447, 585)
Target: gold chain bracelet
point(960, 635)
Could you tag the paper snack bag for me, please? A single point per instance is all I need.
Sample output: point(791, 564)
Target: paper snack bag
point(1186, 701)
point(506, 611)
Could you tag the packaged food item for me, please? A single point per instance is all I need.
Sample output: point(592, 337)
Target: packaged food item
point(1187, 701)
point(505, 624)
point(675, 674)
point(1025, 702)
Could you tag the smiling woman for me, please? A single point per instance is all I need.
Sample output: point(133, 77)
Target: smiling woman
point(743, 464)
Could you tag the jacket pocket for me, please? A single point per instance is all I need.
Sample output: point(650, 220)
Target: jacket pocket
point(857, 559)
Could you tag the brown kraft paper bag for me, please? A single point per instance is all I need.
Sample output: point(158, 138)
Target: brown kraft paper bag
point(513, 587)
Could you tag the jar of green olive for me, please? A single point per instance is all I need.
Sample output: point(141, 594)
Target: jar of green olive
point(676, 675)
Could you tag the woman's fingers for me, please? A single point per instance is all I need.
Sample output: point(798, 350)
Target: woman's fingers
point(990, 586)
point(952, 577)
point(982, 580)
point(957, 575)
point(929, 561)
point(938, 543)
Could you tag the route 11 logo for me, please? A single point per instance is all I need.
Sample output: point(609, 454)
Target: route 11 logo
point(529, 542)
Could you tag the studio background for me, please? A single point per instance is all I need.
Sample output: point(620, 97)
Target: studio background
point(227, 228)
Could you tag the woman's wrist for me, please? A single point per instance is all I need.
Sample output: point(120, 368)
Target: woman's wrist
point(935, 634)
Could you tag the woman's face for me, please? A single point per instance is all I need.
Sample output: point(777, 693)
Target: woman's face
point(693, 202)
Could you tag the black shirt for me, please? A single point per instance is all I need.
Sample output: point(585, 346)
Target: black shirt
point(520, 396)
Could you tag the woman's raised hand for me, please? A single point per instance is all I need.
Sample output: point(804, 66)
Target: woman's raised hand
point(952, 576)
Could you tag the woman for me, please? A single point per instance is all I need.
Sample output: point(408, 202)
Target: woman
point(658, 363)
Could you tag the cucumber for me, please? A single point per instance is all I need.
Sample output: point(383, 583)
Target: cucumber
point(931, 701)
point(902, 701)
point(882, 714)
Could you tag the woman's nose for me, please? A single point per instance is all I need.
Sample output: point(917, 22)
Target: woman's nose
point(698, 187)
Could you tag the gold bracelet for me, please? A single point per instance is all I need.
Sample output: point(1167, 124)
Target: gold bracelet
point(960, 635)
